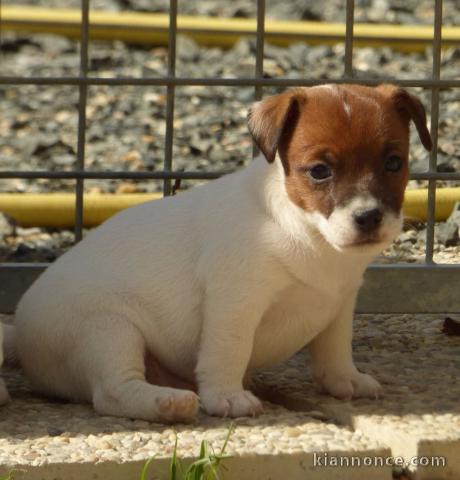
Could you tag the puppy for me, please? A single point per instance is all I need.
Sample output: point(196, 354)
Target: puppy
point(233, 276)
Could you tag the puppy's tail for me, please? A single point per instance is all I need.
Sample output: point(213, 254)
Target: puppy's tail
point(10, 350)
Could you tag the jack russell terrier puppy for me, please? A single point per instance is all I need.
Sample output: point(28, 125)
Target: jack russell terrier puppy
point(233, 276)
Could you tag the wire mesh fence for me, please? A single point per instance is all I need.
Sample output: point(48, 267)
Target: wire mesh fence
point(429, 287)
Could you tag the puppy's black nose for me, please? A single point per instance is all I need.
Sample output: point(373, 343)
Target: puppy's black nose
point(367, 220)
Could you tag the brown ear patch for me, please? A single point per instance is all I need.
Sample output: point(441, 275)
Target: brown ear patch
point(271, 117)
point(411, 106)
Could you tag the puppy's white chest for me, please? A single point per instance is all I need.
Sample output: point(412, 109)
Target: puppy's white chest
point(294, 319)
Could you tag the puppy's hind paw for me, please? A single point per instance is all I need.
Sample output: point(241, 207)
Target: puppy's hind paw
point(365, 386)
point(236, 404)
point(353, 385)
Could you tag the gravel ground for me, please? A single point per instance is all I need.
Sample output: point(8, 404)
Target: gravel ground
point(414, 360)
point(126, 125)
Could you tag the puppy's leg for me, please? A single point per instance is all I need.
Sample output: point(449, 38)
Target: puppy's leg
point(115, 367)
point(332, 359)
point(225, 350)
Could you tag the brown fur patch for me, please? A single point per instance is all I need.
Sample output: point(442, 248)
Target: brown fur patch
point(352, 129)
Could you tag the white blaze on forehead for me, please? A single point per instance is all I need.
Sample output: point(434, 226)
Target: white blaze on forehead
point(334, 89)
point(362, 185)
point(347, 108)
point(329, 86)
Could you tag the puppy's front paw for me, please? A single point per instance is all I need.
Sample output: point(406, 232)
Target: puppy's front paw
point(231, 404)
point(182, 406)
point(351, 385)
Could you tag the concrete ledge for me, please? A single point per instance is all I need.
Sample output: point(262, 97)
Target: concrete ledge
point(249, 467)
point(304, 437)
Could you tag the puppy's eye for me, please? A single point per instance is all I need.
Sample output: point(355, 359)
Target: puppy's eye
point(319, 172)
point(393, 163)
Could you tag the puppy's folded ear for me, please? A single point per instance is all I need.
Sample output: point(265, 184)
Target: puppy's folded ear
point(274, 117)
point(412, 108)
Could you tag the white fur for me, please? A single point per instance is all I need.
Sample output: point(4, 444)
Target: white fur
point(215, 282)
point(329, 86)
point(340, 230)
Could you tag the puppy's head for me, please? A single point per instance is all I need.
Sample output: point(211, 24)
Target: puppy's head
point(344, 151)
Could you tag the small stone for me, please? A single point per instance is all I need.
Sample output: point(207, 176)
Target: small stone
point(132, 156)
point(6, 225)
point(54, 431)
point(187, 49)
point(292, 432)
point(127, 188)
point(256, 438)
point(447, 234)
point(31, 456)
point(454, 217)
point(103, 445)
point(316, 414)
point(65, 159)
point(451, 327)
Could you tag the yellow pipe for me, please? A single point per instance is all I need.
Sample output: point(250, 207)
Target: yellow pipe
point(416, 203)
point(151, 28)
point(58, 209)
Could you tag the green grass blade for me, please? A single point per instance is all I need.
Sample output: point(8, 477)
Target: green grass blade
point(203, 449)
point(217, 458)
point(204, 468)
point(200, 466)
point(144, 468)
point(231, 428)
point(10, 475)
point(173, 464)
point(212, 474)
point(196, 470)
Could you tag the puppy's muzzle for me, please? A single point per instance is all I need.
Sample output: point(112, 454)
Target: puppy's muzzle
point(369, 220)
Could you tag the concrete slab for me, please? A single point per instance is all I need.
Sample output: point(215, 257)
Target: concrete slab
point(302, 434)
